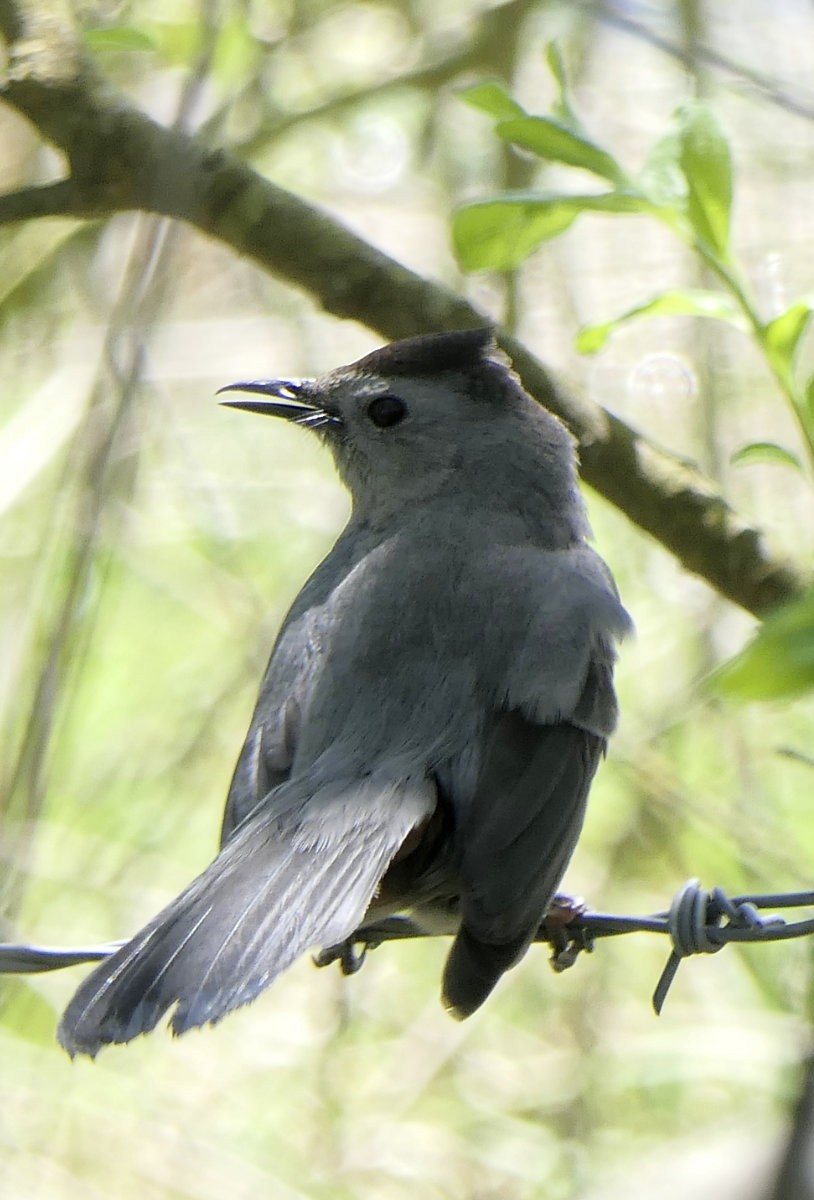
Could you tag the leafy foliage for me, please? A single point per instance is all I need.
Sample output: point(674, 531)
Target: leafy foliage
point(687, 185)
point(779, 663)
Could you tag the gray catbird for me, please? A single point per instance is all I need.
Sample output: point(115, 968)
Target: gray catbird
point(435, 707)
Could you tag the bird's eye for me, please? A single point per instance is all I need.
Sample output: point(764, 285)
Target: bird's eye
point(385, 411)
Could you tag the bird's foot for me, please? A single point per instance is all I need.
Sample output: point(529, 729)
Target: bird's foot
point(558, 928)
point(349, 958)
point(367, 937)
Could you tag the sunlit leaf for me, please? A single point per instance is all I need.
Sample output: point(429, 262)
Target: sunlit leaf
point(492, 98)
point(783, 334)
point(662, 179)
point(805, 412)
point(555, 142)
point(765, 452)
point(809, 400)
point(779, 662)
point(118, 38)
point(236, 51)
point(499, 234)
point(681, 302)
point(556, 66)
point(562, 106)
point(706, 161)
point(175, 41)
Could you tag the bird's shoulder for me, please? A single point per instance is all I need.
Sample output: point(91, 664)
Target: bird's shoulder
point(456, 579)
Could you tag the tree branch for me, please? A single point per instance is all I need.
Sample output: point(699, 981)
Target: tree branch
point(50, 200)
point(120, 159)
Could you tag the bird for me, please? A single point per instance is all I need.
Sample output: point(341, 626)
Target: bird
point(436, 705)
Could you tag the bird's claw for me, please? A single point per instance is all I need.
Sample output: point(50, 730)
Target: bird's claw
point(557, 928)
point(349, 958)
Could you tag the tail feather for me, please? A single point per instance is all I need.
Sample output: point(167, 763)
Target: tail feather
point(473, 969)
point(294, 875)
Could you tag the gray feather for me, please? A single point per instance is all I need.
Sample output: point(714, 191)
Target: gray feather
point(521, 829)
point(282, 884)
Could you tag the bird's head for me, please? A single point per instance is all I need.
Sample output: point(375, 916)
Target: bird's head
point(440, 414)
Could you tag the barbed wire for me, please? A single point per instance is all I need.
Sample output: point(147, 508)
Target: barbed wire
point(697, 922)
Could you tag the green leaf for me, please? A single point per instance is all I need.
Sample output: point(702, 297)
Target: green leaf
point(784, 333)
point(562, 107)
point(118, 37)
point(556, 66)
point(236, 52)
point(499, 234)
point(765, 452)
point(554, 142)
point(809, 400)
point(706, 161)
point(805, 413)
point(662, 179)
point(176, 42)
point(682, 302)
point(492, 98)
point(779, 662)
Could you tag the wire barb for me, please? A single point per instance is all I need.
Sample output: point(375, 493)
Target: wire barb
point(695, 927)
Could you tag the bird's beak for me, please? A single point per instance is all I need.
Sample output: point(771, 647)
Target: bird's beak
point(281, 398)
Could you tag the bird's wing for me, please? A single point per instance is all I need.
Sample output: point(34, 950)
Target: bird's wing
point(526, 816)
point(268, 752)
point(264, 763)
point(539, 753)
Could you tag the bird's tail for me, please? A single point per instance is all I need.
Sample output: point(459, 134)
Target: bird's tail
point(300, 871)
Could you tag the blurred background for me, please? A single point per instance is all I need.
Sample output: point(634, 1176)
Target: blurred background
point(151, 541)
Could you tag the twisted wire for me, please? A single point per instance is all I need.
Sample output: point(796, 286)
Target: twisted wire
point(697, 922)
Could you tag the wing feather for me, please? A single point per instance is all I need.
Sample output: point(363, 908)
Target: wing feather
point(520, 831)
